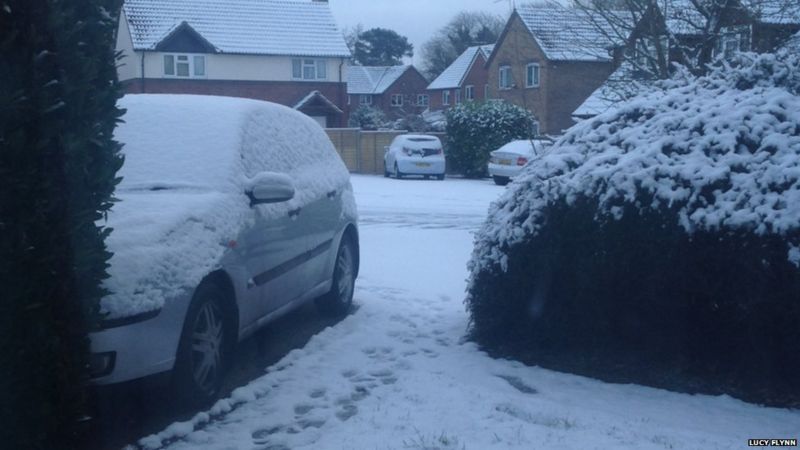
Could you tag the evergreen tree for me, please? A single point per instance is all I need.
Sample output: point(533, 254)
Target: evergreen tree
point(58, 164)
point(381, 47)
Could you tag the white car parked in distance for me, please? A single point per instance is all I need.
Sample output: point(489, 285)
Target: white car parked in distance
point(507, 161)
point(414, 154)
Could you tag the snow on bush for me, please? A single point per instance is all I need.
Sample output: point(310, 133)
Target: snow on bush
point(188, 162)
point(658, 243)
point(724, 149)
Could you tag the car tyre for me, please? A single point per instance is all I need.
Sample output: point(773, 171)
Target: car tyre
point(500, 181)
point(339, 299)
point(440, 177)
point(206, 344)
point(397, 174)
point(385, 170)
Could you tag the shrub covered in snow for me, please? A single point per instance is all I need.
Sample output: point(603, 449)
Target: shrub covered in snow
point(368, 118)
point(476, 129)
point(659, 243)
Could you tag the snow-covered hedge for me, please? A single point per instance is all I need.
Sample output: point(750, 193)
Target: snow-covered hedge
point(664, 236)
point(476, 129)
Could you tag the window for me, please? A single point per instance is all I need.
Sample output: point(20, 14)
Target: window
point(505, 77)
point(646, 54)
point(535, 128)
point(423, 100)
point(458, 96)
point(469, 93)
point(486, 92)
point(397, 100)
point(733, 40)
point(445, 97)
point(185, 66)
point(532, 75)
point(309, 69)
point(364, 100)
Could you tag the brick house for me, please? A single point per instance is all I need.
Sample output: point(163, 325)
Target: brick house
point(285, 51)
point(548, 60)
point(758, 25)
point(465, 79)
point(396, 90)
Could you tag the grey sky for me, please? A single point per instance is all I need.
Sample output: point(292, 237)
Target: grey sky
point(416, 19)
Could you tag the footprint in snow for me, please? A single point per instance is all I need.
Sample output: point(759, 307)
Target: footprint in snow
point(518, 384)
point(317, 393)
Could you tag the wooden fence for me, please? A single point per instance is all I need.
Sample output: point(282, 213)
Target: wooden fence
point(362, 151)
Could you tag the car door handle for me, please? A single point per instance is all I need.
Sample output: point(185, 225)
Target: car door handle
point(295, 212)
point(331, 195)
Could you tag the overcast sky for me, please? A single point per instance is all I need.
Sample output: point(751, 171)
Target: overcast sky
point(418, 20)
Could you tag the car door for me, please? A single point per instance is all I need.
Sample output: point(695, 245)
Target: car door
point(325, 214)
point(273, 249)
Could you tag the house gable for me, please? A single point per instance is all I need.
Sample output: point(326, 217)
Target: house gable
point(185, 39)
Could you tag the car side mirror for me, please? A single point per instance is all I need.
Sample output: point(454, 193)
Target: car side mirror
point(386, 149)
point(270, 187)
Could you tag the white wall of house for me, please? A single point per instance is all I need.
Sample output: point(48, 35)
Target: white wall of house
point(128, 67)
point(218, 66)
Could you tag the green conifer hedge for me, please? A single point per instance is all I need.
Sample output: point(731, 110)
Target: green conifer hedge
point(58, 164)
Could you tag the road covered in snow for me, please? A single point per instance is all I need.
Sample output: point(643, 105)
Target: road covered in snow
point(398, 374)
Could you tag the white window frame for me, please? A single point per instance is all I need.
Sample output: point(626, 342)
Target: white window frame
point(504, 82)
point(733, 40)
point(469, 92)
point(458, 96)
point(486, 91)
point(535, 128)
point(191, 61)
point(397, 100)
point(365, 99)
point(446, 98)
point(532, 75)
point(423, 100)
point(309, 69)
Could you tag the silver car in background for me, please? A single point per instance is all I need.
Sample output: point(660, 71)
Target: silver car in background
point(507, 161)
point(232, 213)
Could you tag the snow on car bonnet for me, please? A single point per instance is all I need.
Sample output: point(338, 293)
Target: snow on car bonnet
point(188, 162)
point(723, 149)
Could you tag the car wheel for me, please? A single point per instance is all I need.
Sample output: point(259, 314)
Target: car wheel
point(500, 181)
point(385, 170)
point(440, 177)
point(397, 173)
point(205, 346)
point(338, 300)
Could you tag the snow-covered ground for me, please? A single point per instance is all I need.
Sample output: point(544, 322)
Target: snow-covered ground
point(397, 373)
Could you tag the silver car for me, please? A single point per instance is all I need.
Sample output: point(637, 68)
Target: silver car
point(232, 213)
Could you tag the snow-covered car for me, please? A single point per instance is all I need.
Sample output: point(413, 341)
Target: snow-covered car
point(414, 154)
point(232, 212)
point(507, 161)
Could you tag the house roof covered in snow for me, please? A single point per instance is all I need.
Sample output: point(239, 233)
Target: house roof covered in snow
point(374, 79)
point(260, 27)
point(568, 34)
point(774, 11)
point(454, 75)
point(620, 86)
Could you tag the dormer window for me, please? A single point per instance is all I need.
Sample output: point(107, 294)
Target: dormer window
point(184, 66)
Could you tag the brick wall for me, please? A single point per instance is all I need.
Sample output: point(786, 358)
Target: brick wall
point(287, 93)
point(478, 76)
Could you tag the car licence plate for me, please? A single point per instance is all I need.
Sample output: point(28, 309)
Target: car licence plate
point(422, 164)
point(505, 162)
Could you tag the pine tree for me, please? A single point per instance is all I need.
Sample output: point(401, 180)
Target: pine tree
point(58, 164)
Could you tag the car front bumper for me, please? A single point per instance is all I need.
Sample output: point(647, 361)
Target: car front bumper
point(138, 349)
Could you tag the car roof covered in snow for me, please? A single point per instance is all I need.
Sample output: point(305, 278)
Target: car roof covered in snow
point(260, 27)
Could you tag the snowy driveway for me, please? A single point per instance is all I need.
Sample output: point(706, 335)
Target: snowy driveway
point(397, 374)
